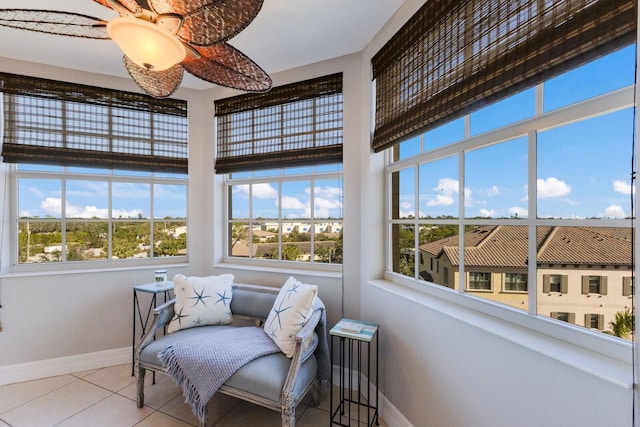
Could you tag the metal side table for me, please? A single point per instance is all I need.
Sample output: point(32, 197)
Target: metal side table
point(352, 336)
point(139, 316)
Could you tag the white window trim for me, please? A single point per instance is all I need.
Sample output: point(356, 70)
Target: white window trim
point(229, 261)
point(608, 357)
point(30, 269)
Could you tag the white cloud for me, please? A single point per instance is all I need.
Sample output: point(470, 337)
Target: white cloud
point(406, 209)
point(622, 187)
point(441, 200)
point(53, 206)
point(487, 212)
point(614, 211)
point(518, 211)
point(490, 192)
point(264, 191)
point(293, 203)
point(468, 197)
point(447, 186)
point(552, 187)
point(260, 191)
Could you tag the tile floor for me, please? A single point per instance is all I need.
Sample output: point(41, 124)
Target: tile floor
point(106, 397)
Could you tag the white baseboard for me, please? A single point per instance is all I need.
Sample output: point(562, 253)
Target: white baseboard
point(387, 412)
point(63, 365)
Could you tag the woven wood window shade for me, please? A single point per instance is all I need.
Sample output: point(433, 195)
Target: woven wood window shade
point(64, 124)
point(293, 125)
point(455, 56)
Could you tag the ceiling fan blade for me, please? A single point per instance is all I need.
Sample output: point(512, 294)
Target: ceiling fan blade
point(55, 22)
point(225, 65)
point(207, 22)
point(122, 6)
point(159, 84)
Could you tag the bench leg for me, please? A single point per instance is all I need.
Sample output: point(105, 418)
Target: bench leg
point(140, 387)
point(288, 416)
point(315, 394)
point(288, 410)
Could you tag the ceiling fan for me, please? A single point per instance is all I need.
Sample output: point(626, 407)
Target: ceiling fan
point(162, 38)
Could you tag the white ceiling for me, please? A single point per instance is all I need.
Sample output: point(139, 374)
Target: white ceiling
point(286, 34)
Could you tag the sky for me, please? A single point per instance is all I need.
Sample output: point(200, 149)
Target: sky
point(89, 199)
point(296, 197)
point(583, 170)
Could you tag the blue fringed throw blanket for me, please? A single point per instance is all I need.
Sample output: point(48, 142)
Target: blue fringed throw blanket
point(201, 364)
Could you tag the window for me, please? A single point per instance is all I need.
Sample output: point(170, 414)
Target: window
point(100, 175)
point(282, 155)
point(594, 321)
point(516, 282)
point(563, 316)
point(628, 286)
point(594, 285)
point(68, 215)
point(290, 216)
point(479, 281)
point(555, 283)
point(472, 200)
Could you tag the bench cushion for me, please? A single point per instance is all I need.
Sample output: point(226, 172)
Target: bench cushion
point(263, 376)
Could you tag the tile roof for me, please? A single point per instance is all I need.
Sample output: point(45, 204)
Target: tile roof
point(507, 246)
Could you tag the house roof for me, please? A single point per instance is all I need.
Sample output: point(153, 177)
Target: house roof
point(507, 246)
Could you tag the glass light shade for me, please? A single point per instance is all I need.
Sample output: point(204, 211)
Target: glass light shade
point(148, 45)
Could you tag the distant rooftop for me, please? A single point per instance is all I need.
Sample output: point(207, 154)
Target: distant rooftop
point(506, 246)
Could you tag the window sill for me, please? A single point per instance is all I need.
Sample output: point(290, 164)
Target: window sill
point(333, 271)
point(53, 270)
point(594, 352)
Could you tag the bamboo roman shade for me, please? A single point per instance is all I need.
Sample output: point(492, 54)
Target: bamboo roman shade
point(293, 125)
point(455, 56)
point(65, 124)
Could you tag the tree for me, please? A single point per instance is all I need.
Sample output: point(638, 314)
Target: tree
point(623, 324)
point(239, 232)
point(290, 253)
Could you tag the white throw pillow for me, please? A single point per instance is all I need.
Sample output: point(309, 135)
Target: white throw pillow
point(201, 301)
point(291, 311)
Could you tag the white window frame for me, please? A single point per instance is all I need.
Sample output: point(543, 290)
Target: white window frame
point(514, 290)
point(278, 180)
point(599, 343)
point(121, 177)
point(475, 281)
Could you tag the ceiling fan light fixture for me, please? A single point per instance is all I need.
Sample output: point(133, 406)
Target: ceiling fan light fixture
point(149, 45)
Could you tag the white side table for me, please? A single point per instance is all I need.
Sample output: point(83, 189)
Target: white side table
point(352, 336)
point(138, 312)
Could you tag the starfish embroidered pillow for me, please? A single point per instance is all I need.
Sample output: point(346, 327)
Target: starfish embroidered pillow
point(290, 312)
point(201, 301)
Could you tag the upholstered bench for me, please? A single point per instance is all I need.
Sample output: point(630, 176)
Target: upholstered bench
point(274, 381)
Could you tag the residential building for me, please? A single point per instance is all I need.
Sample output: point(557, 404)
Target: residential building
point(582, 272)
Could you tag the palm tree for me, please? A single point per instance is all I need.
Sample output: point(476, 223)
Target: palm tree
point(623, 324)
